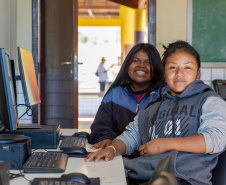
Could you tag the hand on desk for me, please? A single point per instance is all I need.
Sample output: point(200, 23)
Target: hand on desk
point(102, 144)
point(107, 154)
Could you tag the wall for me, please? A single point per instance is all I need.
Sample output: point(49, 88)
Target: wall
point(171, 22)
point(24, 40)
point(8, 26)
point(5, 24)
point(24, 24)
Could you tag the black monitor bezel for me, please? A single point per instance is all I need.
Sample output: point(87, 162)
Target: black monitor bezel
point(10, 120)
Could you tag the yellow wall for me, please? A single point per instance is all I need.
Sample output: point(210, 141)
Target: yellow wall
point(171, 22)
point(98, 22)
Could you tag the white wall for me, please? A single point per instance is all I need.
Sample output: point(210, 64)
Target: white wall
point(16, 30)
point(5, 24)
point(24, 40)
point(24, 24)
point(8, 27)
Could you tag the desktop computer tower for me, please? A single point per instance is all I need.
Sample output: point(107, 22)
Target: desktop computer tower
point(46, 137)
point(15, 153)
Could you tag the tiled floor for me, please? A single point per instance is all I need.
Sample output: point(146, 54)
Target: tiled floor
point(84, 121)
point(88, 106)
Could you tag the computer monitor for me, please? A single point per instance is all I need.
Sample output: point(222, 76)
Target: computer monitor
point(28, 77)
point(8, 108)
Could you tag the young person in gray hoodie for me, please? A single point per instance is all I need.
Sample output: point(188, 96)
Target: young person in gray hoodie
point(189, 124)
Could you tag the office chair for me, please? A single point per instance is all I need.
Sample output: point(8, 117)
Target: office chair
point(162, 175)
point(219, 175)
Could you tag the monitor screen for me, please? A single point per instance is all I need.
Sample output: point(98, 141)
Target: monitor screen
point(8, 108)
point(28, 77)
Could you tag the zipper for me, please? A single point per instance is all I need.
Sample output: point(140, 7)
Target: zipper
point(137, 107)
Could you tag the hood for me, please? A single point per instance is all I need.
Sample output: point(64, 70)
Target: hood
point(194, 88)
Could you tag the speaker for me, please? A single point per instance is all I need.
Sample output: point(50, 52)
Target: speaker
point(4, 173)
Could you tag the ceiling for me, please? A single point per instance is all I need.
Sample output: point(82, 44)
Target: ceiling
point(108, 9)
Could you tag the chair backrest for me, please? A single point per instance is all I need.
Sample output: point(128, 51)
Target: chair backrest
point(219, 172)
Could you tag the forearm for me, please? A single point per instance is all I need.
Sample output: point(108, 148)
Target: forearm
point(192, 144)
point(130, 137)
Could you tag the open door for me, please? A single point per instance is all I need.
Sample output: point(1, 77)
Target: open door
point(58, 63)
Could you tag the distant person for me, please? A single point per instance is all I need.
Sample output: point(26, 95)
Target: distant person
point(189, 124)
point(103, 76)
point(138, 84)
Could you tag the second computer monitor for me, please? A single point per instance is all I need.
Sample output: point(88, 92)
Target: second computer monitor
point(28, 77)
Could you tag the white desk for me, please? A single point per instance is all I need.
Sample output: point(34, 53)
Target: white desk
point(110, 173)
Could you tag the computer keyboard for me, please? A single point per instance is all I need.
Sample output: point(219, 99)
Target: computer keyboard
point(46, 162)
point(71, 141)
point(57, 183)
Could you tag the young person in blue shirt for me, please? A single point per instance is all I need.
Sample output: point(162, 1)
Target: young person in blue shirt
point(139, 83)
point(189, 124)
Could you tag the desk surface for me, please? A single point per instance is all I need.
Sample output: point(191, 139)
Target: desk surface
point(110, 173)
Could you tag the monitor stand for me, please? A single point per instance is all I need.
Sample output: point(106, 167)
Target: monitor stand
point(29, 126)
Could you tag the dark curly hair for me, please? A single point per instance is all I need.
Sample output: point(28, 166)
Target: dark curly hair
point(180, 46)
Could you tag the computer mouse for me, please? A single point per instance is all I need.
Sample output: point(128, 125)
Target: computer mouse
point(75, 150)
point(75, 177)
point(81, 134)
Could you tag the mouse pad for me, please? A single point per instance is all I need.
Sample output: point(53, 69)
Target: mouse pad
point(93, 181)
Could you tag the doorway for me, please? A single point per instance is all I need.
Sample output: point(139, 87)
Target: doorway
point(95, 42)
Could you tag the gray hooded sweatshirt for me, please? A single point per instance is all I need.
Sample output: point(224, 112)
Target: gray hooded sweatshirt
point(196, 110)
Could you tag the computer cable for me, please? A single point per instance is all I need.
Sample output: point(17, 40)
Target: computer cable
point(16, 175)
point(27, 109)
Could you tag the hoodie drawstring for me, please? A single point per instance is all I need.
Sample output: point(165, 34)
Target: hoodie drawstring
point(173, 116)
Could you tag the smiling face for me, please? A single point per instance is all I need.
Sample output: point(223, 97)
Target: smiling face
point(140, 71)
point(181, 69)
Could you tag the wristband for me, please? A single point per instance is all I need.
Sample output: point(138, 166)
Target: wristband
point(112, 147)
